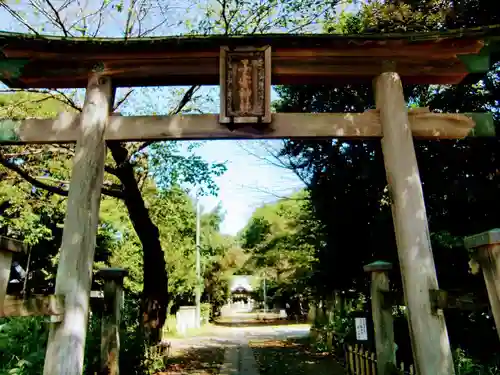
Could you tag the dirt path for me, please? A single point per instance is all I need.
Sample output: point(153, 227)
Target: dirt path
point(292, 357)
point(199, 361)
point(244, 346)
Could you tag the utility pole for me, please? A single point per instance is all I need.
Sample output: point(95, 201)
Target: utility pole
point(198, 265)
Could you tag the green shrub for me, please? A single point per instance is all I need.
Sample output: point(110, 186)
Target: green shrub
point(205, 310)
point(171, 324)
point(22, 345)
point(132, 342)
point(93, 345)
point(464, 365)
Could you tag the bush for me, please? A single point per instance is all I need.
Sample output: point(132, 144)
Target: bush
point(464, 365)
point(170, 327)
point(205, 310)
point(93, 345)
point(22, 345)
point(132, 342)
point(23, 342)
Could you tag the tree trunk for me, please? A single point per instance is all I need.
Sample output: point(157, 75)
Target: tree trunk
point(155, 291)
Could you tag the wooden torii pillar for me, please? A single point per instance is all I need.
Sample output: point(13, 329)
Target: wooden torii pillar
point(66, 344)
point(429, 336)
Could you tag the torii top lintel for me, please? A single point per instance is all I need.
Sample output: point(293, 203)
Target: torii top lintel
point(425, 58)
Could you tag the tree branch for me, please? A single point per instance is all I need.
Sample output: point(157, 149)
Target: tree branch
point(129, 24)
point(111, 185)
point(122, 100)
point(188, 95)
point(52, 189)
point(58, 19)
point(14, 14)
point(63, 98)
point(223, 4)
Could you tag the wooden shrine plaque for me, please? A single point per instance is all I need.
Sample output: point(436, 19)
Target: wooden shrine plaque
point(245, 85)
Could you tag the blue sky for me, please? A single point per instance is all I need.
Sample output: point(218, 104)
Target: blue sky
point(250, 181)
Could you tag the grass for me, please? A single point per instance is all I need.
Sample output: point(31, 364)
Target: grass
point(203, 330)
point(293, 357)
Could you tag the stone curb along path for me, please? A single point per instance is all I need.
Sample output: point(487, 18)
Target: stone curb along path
point(239, 360)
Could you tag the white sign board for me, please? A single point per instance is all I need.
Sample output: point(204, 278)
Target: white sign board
point(361, 330)
point(186, 319)
point(283, 314)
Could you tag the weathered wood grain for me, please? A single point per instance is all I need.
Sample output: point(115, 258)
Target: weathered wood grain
point(423, 124)
point(429, 336)
point(487, 246)
point(297, 59)
point(33, 306)
point(65, 348)
point(382, 316)
point(110, 326)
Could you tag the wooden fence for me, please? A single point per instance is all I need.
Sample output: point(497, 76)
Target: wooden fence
point(359, 361)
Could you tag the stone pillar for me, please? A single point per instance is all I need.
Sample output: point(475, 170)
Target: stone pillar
point(110, 326)
point(382, 316)
point(8, 247)
point(487, 247)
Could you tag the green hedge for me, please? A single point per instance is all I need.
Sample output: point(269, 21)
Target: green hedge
point(205, 309)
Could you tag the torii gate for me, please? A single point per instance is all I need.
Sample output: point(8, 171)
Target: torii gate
point(245, 67)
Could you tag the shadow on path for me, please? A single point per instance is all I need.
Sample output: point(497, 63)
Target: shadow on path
point(200, 361)
point(292, 357)
point(245, 322)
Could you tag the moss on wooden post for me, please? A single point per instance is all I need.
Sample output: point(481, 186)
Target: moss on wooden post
point(9, 130)
point(382, 315)
point(110, 326)
point(487, 247)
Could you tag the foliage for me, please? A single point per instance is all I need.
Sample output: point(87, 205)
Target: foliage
point(130, 167)
point(22, 354)
point(205, 310)
point(224, 259)
point(255, 17)
point(36, 216)
point(169, 168)
point(36, 179)
point(465, 365)
point(281, 241)
point(347, 182)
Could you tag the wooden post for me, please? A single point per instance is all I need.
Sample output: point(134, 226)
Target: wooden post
point(351, 359)
point(110, 327)
point(382, 316)
point(429, 336)
point(65, 347)
point(8, 246)
point(487, 246)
